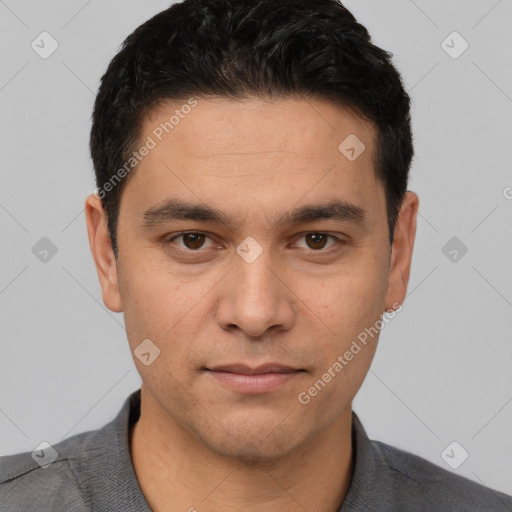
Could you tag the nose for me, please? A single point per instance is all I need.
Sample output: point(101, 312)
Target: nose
point(255, 298)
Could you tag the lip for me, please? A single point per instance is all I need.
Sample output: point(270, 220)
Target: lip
point(255, 370)
point(252, 380)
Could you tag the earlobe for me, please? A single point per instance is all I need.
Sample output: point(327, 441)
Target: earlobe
point(101, 249)
point(402, 250)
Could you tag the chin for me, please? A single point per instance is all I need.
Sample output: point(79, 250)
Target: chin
point(254, 440)
point(248, 453)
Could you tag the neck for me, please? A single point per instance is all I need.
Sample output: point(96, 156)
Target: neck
point(177, 472)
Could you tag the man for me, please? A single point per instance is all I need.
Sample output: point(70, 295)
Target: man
point(253, 224)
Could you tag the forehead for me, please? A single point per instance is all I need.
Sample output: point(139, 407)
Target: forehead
point(230, 154)
point(216, 127)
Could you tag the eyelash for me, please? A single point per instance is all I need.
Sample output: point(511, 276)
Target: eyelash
point(168, 241)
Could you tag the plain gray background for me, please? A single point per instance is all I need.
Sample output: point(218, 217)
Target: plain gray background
point(443, 368)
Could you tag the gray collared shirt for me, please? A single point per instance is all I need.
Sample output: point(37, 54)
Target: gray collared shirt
point(93, 471)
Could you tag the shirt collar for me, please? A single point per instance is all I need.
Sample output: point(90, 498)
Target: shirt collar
point(371, 486)
point(108, 463)
point(114, 479)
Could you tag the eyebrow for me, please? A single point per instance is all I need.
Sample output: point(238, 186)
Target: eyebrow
point(177, 209)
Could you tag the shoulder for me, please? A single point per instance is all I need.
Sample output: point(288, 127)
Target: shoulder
point(43, 480)
point(416, 480)
point(88, 471)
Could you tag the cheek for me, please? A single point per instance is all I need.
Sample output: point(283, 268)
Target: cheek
point(348, 301)
point(333, 389)
point(345, 343)
point(152, 298)
point(164, 306)
point(348, 306)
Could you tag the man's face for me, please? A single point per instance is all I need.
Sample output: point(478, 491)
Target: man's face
point(252, 291)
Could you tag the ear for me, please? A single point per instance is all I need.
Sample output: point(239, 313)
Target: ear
point(101, 249)
point(401, 251)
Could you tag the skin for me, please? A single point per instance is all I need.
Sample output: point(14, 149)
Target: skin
point(198, 444)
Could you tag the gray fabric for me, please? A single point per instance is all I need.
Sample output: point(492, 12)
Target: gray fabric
point(94, 472)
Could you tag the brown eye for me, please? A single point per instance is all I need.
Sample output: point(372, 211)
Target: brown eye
point(316, 240)
point(193, 240)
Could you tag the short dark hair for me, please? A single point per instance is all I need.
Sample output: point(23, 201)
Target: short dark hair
point(250, 48)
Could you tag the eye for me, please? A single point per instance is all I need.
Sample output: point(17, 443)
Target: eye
point(318, 241)
point(191, 241)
